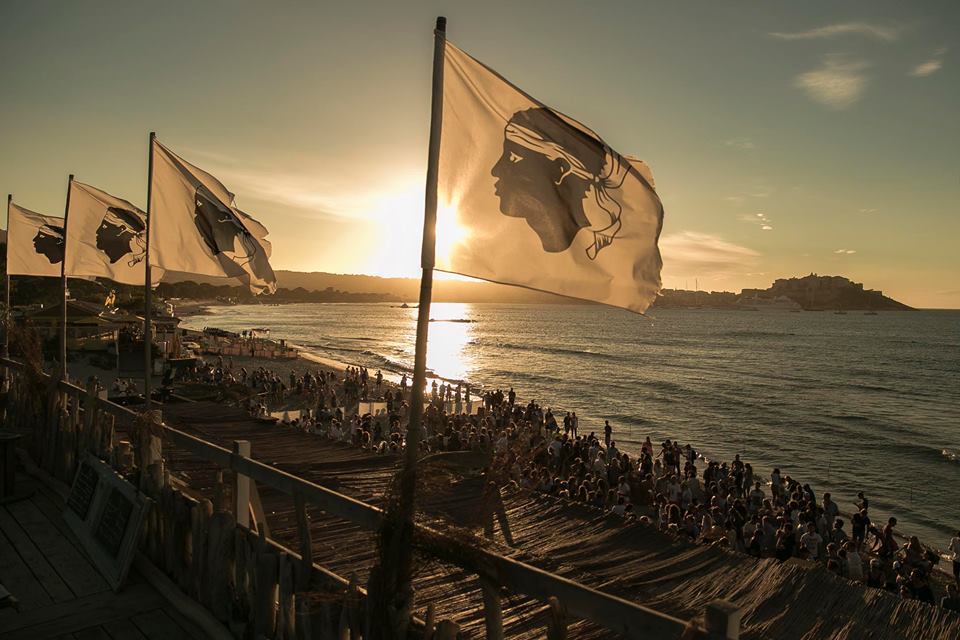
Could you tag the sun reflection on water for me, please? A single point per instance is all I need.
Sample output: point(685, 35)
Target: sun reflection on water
point(451, 330)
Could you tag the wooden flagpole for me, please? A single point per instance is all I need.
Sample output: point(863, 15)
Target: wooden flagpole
point(6, 290)
point(147, 291)
point(63, 286)
point(398, 561)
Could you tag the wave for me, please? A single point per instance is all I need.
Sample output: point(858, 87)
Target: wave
point(753, 333)
point(464, 320)
point(554, 350)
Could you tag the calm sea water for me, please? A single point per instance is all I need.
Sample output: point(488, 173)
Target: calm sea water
point(844, 402)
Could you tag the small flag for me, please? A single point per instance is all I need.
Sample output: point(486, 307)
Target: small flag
point(34, 243)
point(195, 226)
point(106, 237)
point(530, 197)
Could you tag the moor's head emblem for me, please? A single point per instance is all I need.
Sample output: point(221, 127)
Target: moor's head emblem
point(560, 179)
point(222, 230)
point(49, 242)
point(122, 233)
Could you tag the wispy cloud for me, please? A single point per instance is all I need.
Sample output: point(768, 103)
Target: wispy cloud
point(837, 84)
point(845, 252)
point(869, 210)
point(690, 254)
point(931, 66)
point(760, 219)
point(877, 32)
point(740, 143)
point(926, 68)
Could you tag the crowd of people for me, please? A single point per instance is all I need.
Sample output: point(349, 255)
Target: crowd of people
point(667, 485)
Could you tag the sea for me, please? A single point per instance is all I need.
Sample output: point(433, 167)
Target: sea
point(846, 402)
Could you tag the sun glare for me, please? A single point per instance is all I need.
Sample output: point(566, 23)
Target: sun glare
point(450, 232)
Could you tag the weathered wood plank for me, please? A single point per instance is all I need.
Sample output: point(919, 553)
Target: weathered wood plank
point(19, 580)
point(78, 574)
point(123, 629)
point(49, 579)
point(69, 617)
point(92, 633)
point(157, 625)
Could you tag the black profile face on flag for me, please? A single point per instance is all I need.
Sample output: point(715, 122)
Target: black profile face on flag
point(121, 234)
point(557, 178)
point(221, 229)
point(49, 243)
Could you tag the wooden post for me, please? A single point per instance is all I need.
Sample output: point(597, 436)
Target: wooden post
point(63, 287)
point(397, 557)
point(557, 623)
point(447, 630)
point(306, 544)
point(723, 620)
point(492, 611)
point(241, 485)
point(147, 291)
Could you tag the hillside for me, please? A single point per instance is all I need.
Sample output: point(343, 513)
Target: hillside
point(406, 289)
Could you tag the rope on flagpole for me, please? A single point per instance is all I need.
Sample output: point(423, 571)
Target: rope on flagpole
point(396, 568)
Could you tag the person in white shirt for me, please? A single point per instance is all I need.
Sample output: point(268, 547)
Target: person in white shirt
point(854, 562)
point(811, 541)
point(955, 548)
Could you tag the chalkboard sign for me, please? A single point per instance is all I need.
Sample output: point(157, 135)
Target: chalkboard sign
point(113, 522)
point(106, 512)
point(83, 490)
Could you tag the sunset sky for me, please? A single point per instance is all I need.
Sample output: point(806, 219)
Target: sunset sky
point(785, 137)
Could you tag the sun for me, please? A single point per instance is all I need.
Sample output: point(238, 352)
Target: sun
point(450, 233)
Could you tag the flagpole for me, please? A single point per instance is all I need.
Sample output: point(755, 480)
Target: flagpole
point(63, 286)
point(148, 293)
point(6, 290)
point(406, 505)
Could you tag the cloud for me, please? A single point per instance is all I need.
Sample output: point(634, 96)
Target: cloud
point(740, 143)
point(694, 254)
point(929, 67)
point(845, 252)
point(877, 32)
point(837, 84)
point(871, 210)
point(758, 219)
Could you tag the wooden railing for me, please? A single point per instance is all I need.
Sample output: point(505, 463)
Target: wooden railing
point(209, 549)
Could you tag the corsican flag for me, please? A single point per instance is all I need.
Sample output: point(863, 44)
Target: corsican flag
point(106, 237)
point(195, 227)
point(34, 243)
point(530, 197)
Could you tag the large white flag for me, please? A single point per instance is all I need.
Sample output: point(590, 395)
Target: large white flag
point(106, 237)
point(195, 227)
point(34, 243)
point(530, 197)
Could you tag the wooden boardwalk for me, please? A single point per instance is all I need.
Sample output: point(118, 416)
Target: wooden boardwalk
point(780, 600)
point(60, 593)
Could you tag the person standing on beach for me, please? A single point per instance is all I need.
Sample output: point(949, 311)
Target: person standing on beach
point(574, 422)
point(811, 541)
point(607, 433)
point(955, 548)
